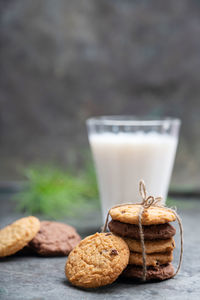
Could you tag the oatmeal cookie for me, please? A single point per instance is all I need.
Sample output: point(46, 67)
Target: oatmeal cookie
point(151, 216)
point(153, 259)
point(97, 260)
point(152, 246)
point(17, 235)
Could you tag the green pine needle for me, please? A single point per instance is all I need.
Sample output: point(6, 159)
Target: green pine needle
point(55, 193)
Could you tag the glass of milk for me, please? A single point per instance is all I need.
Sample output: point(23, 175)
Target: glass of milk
point(125, 150)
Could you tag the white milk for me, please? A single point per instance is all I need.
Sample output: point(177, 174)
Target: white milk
point(123, 159)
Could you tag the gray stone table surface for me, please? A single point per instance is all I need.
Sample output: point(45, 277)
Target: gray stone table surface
point(29, 277)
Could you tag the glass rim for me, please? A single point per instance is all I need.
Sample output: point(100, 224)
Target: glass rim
point(131, 120)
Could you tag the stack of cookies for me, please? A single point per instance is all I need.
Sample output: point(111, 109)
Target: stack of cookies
point(158, 239)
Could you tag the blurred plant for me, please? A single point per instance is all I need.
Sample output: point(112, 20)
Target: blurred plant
point(56, 193)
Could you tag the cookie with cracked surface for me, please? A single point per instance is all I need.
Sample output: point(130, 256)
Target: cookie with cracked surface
point(54, 239)
point(159, 273)
point(152, 246)
point(151, 232)
point(97, 260)
point(17, 235)
point(153, 259)
point(151, 216)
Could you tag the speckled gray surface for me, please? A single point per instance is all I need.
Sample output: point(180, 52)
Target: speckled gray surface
point(43, 278)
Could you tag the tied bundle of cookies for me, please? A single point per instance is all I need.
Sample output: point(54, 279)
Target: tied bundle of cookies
point(146, 229)
point(29, 235)
point(139, 246)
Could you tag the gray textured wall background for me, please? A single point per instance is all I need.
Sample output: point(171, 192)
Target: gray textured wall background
point(63, 61)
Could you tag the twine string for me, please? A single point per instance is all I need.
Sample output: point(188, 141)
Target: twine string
point(144, 269)
point(150, 200)
point(145, 204)
point(181, 236)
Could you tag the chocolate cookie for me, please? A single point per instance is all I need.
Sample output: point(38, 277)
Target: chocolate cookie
point(54, 239)
point(153, 273)
point(151, 232)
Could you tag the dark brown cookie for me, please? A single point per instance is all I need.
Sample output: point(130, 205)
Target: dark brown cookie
point(151, 232)
point(55, 239)
point(153, 273)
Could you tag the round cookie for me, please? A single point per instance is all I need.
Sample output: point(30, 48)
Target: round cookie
point(97, 260)
point(153, 259)
point(54, 239)
point(151, 216)
point(17, 235)
point(151, 246)
point(151, 232)
point(160, 273)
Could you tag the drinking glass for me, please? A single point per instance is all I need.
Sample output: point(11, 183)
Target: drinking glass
point(125, 150)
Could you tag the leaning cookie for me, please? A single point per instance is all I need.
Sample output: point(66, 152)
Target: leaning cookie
point(97, 260)
point(17, 235)
point(159, 273)
point(55, 239)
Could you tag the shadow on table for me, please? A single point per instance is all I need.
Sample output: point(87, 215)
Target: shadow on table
point(120, 283)
point(103, 289)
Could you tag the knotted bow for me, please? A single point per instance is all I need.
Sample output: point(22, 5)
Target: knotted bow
point(150, 200)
